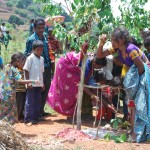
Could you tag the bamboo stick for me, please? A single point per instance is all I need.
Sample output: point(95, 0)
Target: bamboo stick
point(81, 87)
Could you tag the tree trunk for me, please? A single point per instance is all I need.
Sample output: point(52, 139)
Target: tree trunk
point(80, 93)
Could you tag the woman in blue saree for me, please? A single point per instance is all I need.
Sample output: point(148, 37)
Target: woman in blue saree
point(136, 79)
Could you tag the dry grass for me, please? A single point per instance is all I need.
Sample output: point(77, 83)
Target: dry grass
point(10, 139)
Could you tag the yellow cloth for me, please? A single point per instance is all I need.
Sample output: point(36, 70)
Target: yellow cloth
point(125, 68)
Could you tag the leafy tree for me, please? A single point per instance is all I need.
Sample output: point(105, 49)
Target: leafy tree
point(134, 17)
point(87, 14)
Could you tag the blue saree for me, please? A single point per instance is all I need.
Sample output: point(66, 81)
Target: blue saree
point(138, 88)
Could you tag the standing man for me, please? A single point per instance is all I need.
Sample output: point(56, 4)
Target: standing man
point(39, 26)
point(3, 28)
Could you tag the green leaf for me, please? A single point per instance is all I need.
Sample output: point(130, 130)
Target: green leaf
point(107, 136)
point(76, 1)
point(112, 120)
point(97, 3)
point(73, 7)
point(123, 137)
point(82, 9)
point(115, 124)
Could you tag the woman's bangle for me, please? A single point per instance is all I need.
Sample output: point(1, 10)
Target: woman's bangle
point(92, 96)
point(33, 82)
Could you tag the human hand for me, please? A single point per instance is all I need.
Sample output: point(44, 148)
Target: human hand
point(43, 88)
point(103, 39)
point(111, 107)
point(35, 82)
point(29, 86)
point(95, 98)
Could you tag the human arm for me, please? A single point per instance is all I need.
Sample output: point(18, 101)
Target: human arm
point(100, 52)
point(137, 59)
point(140, 65)
point(91, 94)
point(17, 77)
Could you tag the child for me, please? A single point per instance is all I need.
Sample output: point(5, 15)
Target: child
point(7, 37)
point(53, 46)
point(101, 77)
point(8, 80)
point(21, 93)
point(34, 69)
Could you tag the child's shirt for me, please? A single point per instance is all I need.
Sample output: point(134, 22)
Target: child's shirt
point(8, 81)
point(35, 67)
point(21, 87)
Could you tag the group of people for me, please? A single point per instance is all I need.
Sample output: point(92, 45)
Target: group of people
point(4, 35)
point(25, 83)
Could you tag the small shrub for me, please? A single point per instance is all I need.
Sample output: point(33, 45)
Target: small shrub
point(22, 14)
point(9, 4)
point(31, 9)
point(17, 11)
point(14, 19)
point(20, 4)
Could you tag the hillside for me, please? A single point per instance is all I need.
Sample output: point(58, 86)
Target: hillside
point(13, 7)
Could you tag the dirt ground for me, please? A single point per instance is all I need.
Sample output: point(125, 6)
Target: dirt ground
point(42, 136)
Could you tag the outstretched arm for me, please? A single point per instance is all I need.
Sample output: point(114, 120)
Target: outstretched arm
point(100, 52)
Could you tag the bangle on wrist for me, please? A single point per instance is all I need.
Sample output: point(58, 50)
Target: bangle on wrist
point(33, 82)
point(92, 96)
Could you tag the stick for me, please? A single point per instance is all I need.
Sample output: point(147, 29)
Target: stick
point(80, 89)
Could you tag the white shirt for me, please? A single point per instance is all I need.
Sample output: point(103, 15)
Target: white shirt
point(108, 73)
point(110, 62)
point(3, 29)
point(35, 67)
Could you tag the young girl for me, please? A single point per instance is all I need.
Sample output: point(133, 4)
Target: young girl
point(21, 93)
point(8, 81)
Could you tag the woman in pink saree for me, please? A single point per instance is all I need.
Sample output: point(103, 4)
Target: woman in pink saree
point(62, 95)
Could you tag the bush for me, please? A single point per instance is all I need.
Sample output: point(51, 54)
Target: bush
point(22, 14)
point(20, 4)
point(31, 9)
point(36, 11)
point(9, 4)
point(14, 19)
point(17, 11)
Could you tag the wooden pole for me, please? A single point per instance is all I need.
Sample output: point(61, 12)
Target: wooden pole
point(80, 89)
point(80, 94)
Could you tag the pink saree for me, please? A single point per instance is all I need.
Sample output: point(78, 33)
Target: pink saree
point(62, 95)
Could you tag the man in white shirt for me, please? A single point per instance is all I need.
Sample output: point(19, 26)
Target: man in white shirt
point(3, 28)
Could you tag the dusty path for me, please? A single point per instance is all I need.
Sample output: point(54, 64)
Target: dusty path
point(43, 135)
